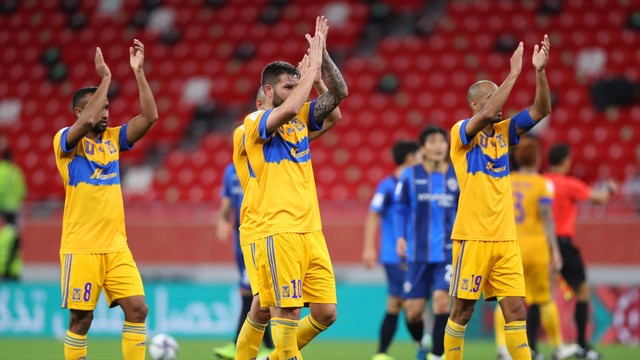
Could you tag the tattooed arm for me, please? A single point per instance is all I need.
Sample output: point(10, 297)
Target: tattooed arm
point(330, 100)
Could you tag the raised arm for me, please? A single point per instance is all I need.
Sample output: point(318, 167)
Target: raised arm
point(333, 117)
point(337, 90)
point(223, 223)
point(283, 113)
point(139, 125)
point(91, 114)
point(542, 104)
point(495, 102)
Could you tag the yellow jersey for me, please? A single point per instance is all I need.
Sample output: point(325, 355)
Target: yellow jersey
point(281, 161)
point(529, 191)
point(485, 207)
point(93, 220)
point(251, 200)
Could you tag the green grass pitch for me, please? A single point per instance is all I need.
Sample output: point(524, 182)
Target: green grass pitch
point(99, 349)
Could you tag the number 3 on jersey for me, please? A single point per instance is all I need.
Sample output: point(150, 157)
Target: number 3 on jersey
point(518, 197)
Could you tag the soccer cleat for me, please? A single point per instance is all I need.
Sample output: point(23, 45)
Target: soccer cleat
point(382, 356)
point(226, 352)
point(589, 354)
point(565, 351)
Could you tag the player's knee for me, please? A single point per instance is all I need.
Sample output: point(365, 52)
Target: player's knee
point(394, 305)
point(461, 313)
point(514, 311)
point(80, 322)
point(413, 314)
point(326, 315)
point(137, 312)
point(441, 303)
point(260, 315)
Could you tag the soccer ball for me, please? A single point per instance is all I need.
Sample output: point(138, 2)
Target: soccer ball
point(163, 347)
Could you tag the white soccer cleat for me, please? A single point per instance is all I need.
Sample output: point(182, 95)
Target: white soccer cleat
point(565, 351)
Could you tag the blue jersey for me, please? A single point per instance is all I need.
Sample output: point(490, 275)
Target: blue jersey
point(382, 203)
point(426, 206)
point(232, 190)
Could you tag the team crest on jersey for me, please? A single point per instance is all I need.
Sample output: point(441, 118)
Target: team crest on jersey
point(76, 295)
point(286, 293)
point(452, 184)
point(465, 284)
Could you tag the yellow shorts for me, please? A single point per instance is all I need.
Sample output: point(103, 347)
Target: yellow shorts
point(490, 267)
point(85, 275)
point(294, 270)
point(537, 280)
point(249, 255)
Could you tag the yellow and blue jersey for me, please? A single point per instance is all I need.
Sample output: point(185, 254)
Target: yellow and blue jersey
point(530, 190)
point(248, 183)
point(426, 206)
point(281, 161)
point(383, 204)
point(232, 190)
point(93, 220)
point(485, 209)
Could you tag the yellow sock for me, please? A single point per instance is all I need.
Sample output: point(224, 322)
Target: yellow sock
point(515, 334)
point(249, 339)
point(498, 326)
point(134, 340)
point(308, 329)
point(551, 323)
point(285, 334)
point(453, 340)
point(75, 346)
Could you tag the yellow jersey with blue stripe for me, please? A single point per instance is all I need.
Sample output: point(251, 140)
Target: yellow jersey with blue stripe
point(281, 161)
point(530, 190)
point(485, 207)
point(93, 220)
point(248, 182)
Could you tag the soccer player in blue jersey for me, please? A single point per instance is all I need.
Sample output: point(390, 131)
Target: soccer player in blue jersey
point(381, 216)
point(485, 249)
point(427, 202)
point(94, 253)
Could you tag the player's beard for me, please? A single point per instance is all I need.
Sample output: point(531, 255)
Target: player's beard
point(277, 100)
point(100, 127)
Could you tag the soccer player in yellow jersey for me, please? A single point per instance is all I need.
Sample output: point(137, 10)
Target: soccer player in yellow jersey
point(535, 227)
point(294, 267)
point(94, 253)
point(252, 332)
point(486, 258)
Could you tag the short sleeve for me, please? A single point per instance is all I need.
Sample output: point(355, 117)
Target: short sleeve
point(252, 126)
point(523, 117)
point(378, 199)
point(579, 189)
point(122, 139)
point(548, 192)
point(61, 141)
point(262, 125)
point(459, 134)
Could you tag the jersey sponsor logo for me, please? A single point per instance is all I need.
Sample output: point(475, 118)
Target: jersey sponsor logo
point(97, 174)
point(491, 167)
point(443, 200)
point(297, 154)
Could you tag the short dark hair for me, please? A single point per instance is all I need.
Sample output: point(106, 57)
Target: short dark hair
point(430, 130)
point(402, 149)
point(557, 154)
point(271, 73)
point(80, 93)
point(527, 152)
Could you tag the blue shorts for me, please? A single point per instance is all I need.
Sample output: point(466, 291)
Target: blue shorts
point(395, 278)
point(424, 278)
point(244, 278)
